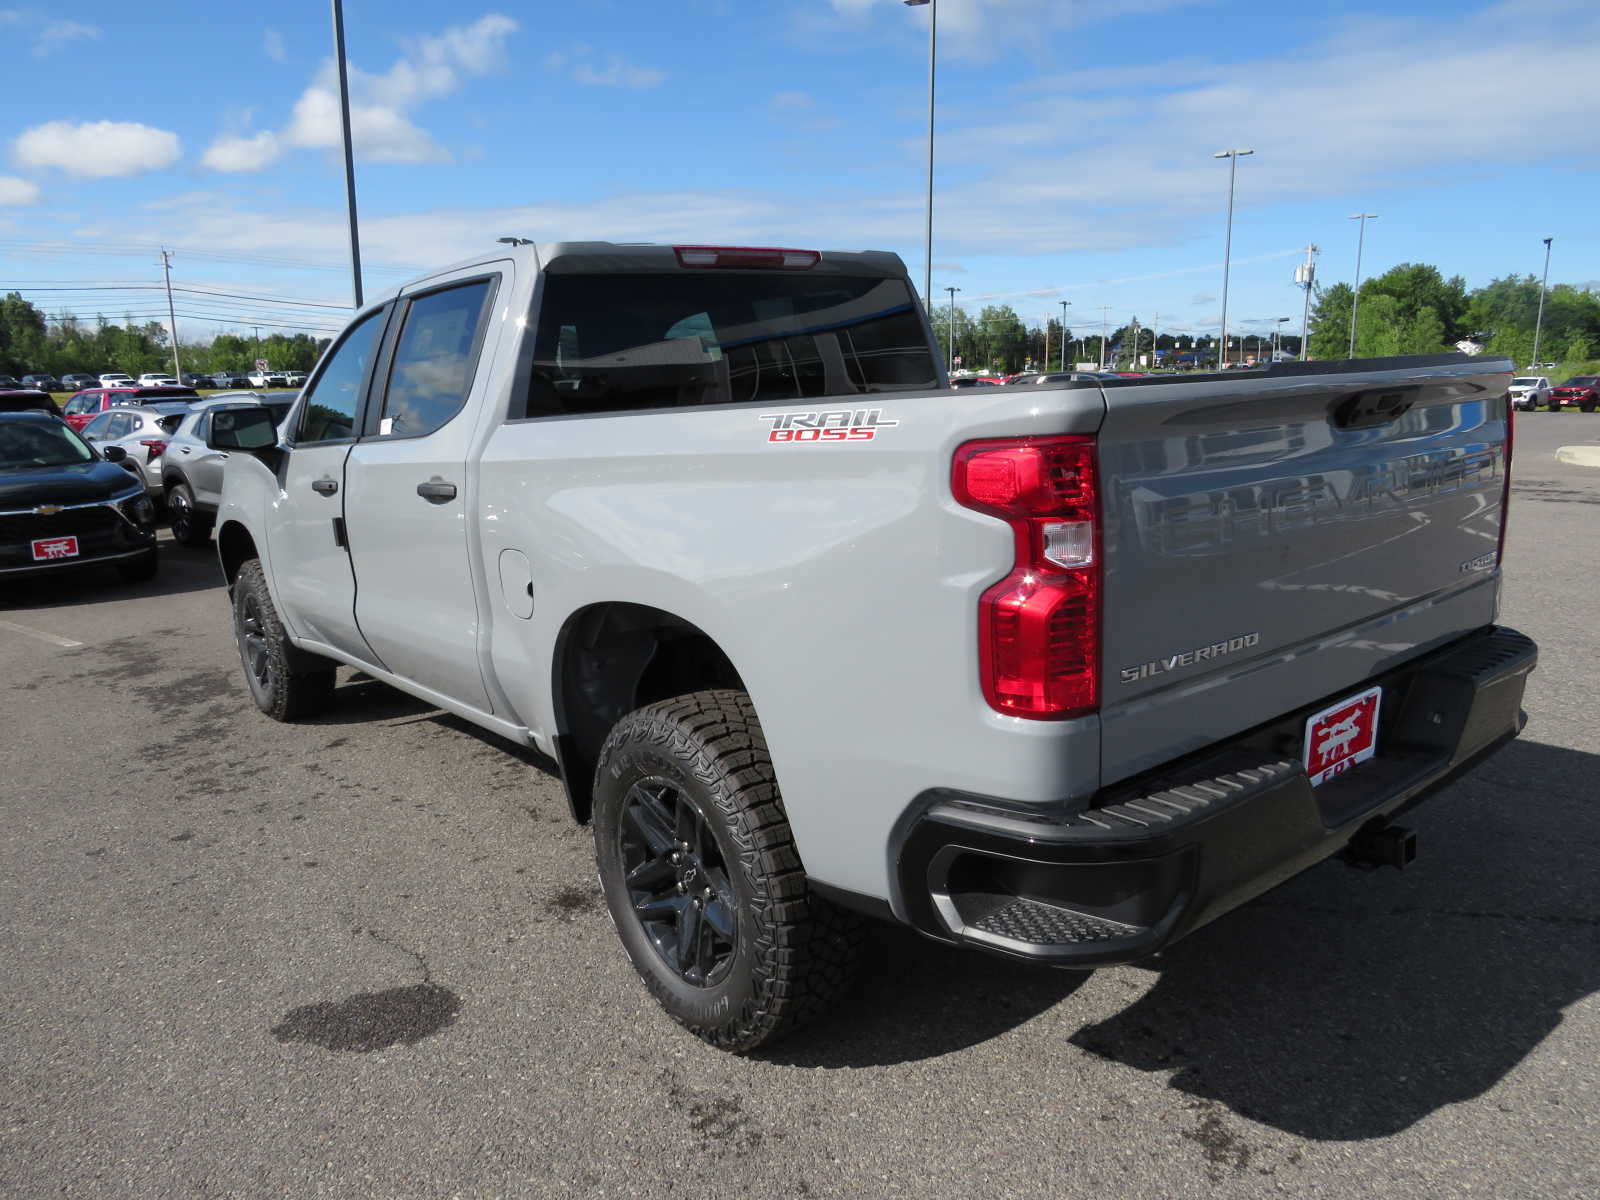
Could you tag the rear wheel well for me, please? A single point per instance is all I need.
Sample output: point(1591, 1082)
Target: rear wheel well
point(235, 547)
point(613, 658)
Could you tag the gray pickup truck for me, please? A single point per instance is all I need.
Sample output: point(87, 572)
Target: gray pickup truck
point(1060, 672)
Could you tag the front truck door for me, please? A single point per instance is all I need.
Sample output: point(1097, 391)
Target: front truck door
point(408, 503)
point(311, 570)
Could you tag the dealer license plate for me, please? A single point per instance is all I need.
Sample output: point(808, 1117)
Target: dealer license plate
point(49, 549)
point(1339, 737)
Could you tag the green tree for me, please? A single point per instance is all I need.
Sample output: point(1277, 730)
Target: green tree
point(1423, 333)
point(1002, 339)
point(1330, 321)
point(1416, 286)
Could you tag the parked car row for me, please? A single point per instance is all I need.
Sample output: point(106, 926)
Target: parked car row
point(76, 382)
point(1037, 377)
point(81, 486)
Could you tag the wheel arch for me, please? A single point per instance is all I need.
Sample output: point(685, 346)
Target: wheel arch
point(611, 658)
point(235, 547)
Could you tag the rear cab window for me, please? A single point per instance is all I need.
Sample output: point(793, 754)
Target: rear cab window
point(609, 343)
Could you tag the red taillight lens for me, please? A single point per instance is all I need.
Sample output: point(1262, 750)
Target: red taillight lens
point(752, 257)
point(1039, 627)
point(154, 448)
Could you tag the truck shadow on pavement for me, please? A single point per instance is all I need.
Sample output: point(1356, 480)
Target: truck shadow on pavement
point(1344, 1005)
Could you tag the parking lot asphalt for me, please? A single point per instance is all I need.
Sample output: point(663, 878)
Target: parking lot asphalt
point(366, 956)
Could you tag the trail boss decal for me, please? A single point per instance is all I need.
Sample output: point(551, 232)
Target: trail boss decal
point(1175, 662)
point(839, 425)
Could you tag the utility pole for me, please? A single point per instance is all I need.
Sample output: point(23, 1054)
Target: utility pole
point(1538, 325)
point(1133, 336)
point(1155, 319)
point(1046, 341)
point(1355, 298)
point(349, 154)
point(1306, 276)
point(1064, 304)
point(1104, 321)
point(172, 317)
point(952, 347)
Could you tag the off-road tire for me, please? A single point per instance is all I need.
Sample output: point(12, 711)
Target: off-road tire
point(189, 527)
point(140, 569)
point(794, 953)
point(286, 683)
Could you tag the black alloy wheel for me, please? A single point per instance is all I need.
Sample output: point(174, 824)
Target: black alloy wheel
point(677, 879)
point(286, 683)
point(189, 528)
point(702, 877)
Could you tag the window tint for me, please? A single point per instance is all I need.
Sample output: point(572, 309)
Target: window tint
point(609, 343)
point(170, 424)
point(434, 360)
point(100, 426)
point(331, 402)
point(202, 427)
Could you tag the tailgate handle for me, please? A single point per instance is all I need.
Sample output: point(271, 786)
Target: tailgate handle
point(1377, 406)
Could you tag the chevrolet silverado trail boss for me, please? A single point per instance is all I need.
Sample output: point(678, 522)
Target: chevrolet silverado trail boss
point(1060, 672)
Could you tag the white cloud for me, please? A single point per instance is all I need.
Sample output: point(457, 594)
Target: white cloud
point(274, 47)
point(793, 101)
point(14, 191)
point(236, 154)
point(612, 71)
point(616, 72)
point(976, 29)
point(96, 148)
point(48, 34)
point(381, 105)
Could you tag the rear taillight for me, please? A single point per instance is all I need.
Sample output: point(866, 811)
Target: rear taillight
point(751, 257)
point(1505, 493)
point(1039, 627)
point(155, 447)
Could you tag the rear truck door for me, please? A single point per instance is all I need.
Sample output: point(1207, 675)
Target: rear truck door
point(410, 494)
point(310, 563)
point(1273, 541)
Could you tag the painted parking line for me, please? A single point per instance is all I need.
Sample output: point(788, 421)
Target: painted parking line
point(67, 643)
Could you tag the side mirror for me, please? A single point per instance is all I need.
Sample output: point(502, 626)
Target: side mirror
point(248, 428)
point(114, 454)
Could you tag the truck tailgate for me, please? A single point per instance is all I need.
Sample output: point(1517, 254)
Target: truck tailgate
point(1252, 521)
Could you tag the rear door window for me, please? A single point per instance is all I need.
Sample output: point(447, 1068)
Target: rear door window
point(614, 343)
point(435, 359)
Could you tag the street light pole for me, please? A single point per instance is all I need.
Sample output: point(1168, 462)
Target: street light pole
point(1233, 157)
point(1104, 309)
point(1355, 299)
point(933, 59)
point(1064, 304)
point(1277, 337)
point(349, 154)
point(1538, 325)
point(952, 347)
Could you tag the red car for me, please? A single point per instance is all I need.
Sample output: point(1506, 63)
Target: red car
point(91, 402)
point(1582, 390)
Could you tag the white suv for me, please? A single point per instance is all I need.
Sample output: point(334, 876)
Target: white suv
point(158, 379)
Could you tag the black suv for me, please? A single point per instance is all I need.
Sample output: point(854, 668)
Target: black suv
point(63, 505)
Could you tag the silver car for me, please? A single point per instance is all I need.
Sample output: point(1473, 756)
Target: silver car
point(142, 431)
point(191, 472)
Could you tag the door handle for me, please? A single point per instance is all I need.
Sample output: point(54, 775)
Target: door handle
point(325, 487)
point(436, 491)
point(183, 449)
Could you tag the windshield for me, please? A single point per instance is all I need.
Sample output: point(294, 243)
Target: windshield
point(1529, 381)
point(25, 444)
point(1581, 381)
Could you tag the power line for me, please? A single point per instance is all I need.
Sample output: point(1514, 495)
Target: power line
point(156, 287)
point(236, 322)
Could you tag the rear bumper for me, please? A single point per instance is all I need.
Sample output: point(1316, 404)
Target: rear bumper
point(1162, 855)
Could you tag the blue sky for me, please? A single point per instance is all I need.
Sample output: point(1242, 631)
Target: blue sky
point(1074, 143)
